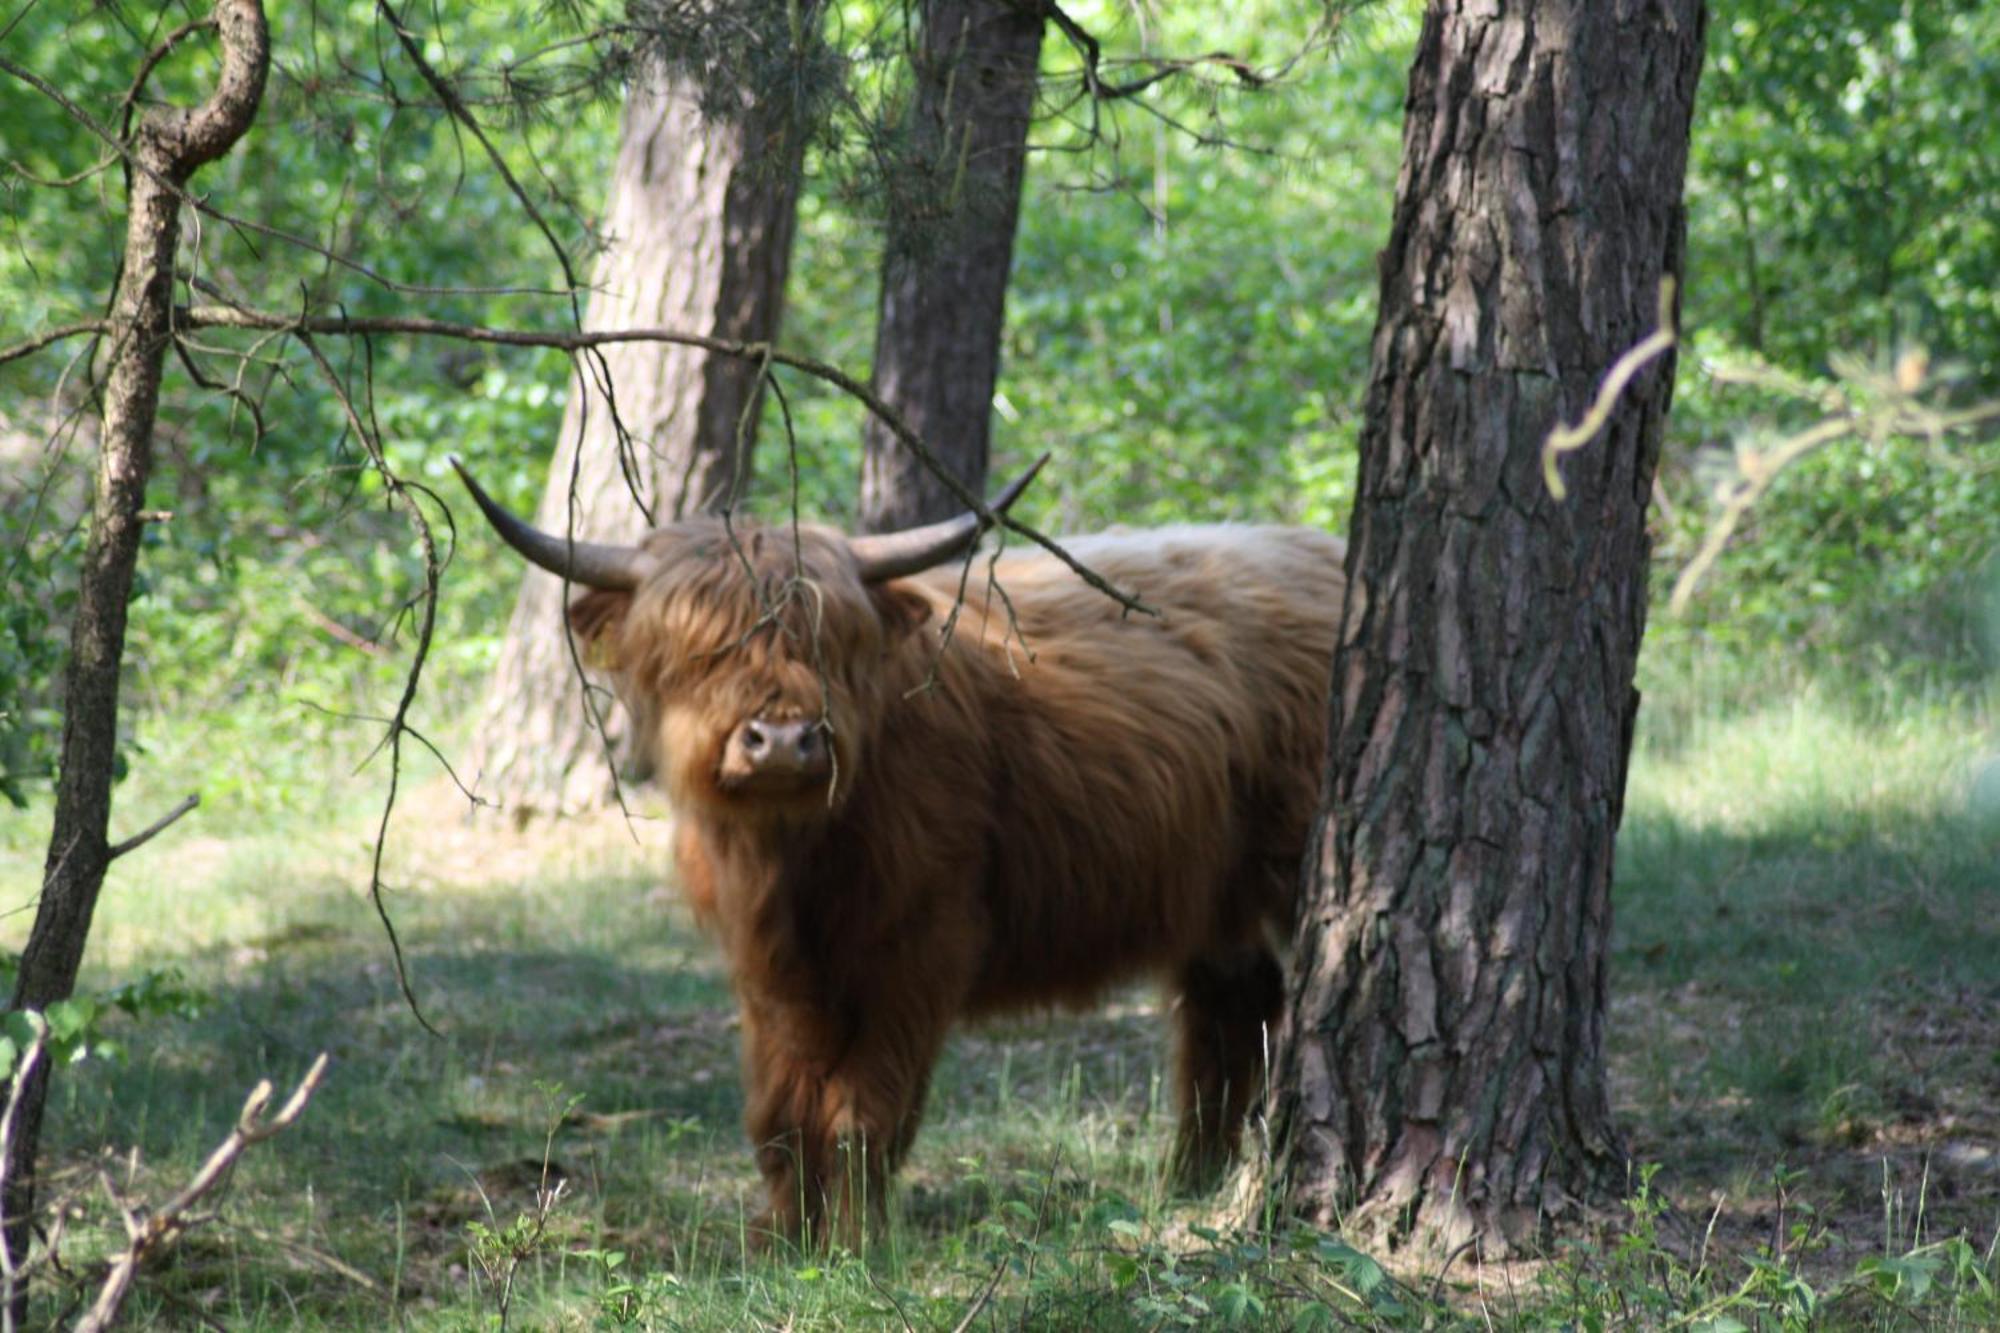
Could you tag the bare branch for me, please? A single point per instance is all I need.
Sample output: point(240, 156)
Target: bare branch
point(153, 830)
point(1568, 439)
point(63, 182)
point(985, 1296)
point(160, 1227)
point(339, 632)
point(41, 340)
point(242, 318)
point(1092, 52)
point(1758, 469)
point(401, 492)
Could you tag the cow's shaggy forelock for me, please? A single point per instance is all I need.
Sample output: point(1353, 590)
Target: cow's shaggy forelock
point(735, 626)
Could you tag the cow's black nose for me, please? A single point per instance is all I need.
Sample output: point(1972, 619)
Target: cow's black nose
point(769, 749)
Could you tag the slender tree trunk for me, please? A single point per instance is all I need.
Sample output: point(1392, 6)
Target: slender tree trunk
point(169, 146)
point(700, 231)
point(950, 244)
point(1441, 1076)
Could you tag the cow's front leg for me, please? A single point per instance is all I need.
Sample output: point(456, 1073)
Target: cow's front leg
point(831, 1110)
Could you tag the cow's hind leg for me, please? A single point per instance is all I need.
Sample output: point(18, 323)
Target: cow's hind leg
point(1226, 1005)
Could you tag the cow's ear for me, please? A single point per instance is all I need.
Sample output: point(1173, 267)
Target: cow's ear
point(594, 617)
point(903, 609)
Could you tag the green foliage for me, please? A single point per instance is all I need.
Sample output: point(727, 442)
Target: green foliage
point(72, 1030)
point(1841, 212)
point(1874, 554)
point(1841, 200)
point(34, 595)
point(1188, 331)
point(1188, 327)
point(280, 583)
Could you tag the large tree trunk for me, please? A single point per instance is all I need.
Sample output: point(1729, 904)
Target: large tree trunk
point(700, 231)
point(1441, 1076)
point(166, 151)
point(950, 244)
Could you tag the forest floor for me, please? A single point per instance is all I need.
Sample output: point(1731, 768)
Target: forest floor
point(1806, 997)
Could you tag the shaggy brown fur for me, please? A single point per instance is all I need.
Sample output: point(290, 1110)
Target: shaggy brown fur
point(1128, 795)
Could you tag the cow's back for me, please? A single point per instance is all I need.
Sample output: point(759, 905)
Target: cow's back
point(1155, 774)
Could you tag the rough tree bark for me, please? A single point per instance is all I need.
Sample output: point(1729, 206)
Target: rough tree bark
point(700, 222)
point(167, 147)
point(1441, 1076)
point(950, 245)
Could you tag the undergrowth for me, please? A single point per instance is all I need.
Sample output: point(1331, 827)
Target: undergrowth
point(1806, 979)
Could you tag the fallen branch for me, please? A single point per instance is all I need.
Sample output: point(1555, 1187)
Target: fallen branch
point(153, 1231)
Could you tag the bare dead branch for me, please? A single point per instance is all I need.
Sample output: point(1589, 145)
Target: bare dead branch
point(1092, 52)
point(243, 318)
point(985, 1296)
point(471, 796)
point(154, 829)
point(902, 1316)
point(234, 392)
point(163, 1225)
point(401, 493)
point(47, 337)
point(1758, 469)
point(1568, 439)
point(63, 182)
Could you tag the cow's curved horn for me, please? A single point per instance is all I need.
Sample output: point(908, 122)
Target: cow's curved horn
point(594, 564)
point(891, 555)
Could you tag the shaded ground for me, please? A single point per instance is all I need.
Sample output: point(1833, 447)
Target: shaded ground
point(1806, 982)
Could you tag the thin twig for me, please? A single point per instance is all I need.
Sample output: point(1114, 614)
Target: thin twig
point(453, 104)
point(153, 830)
point(165, 48)
point(1568, 439)
point(232, 317)
point(890, 1297)
point(985, 1296)
point(339, 632)
point(1759, 469)
point(41, 340)
point(471, 796)
point(400, 491)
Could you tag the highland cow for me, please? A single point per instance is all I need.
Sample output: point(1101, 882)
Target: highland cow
point(891, 828)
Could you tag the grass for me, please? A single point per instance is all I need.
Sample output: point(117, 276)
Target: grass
point(1806, 990)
